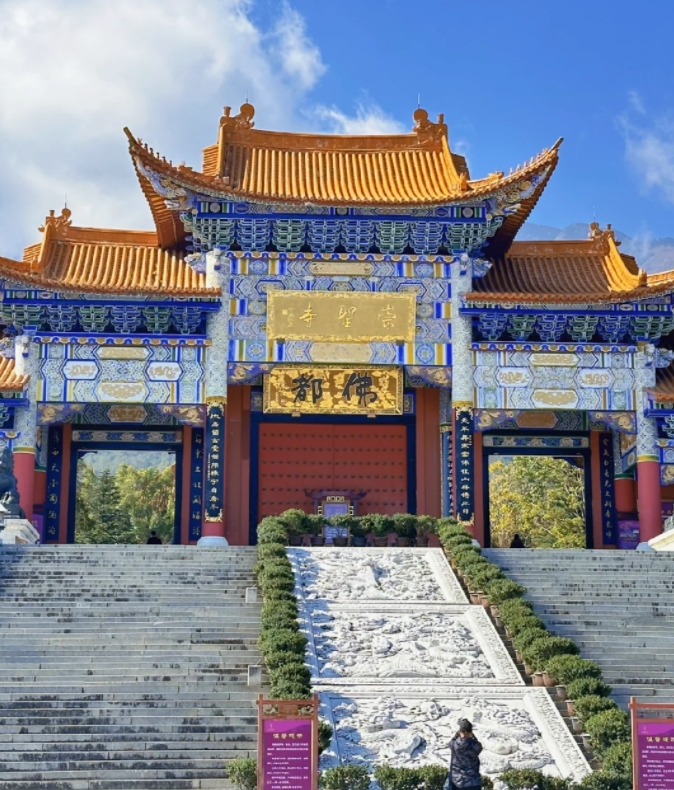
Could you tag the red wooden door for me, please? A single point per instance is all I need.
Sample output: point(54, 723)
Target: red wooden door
point(370, 458)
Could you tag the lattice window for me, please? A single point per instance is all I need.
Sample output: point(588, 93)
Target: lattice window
point(392, 236)
point(323, 235)
point(210, 233)
point(583, 327)
point(289, 234)
point(157, 320)
point(61, 318)
point(613, 329)
point(94, 318)
point(253, 234)
point(21, 315)
point(357, 236)
point(651, 327)
point(186, 319)
point(550, 328)
point(126, 318)
point(426, 237)
point(521, 327)
point(492, 325)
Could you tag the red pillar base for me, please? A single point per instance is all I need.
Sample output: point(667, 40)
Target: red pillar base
point(650, 506)
point(212, 534)
point(24, 471)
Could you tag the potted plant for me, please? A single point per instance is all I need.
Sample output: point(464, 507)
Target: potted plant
point(404, 525)
point(358, 531)
point(297, 525)
point(426, 526)
point(344, 522)
point(316, 523)
point(383, 526)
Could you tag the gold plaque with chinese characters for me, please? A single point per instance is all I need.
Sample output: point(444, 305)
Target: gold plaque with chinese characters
point(338, 317)
point(327, 389)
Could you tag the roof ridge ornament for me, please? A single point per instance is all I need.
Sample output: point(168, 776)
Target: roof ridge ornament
point(427, 131)
point(596, 234)
point(60, 224)
point(240, 122)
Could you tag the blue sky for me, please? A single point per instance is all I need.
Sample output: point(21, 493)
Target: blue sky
point(511, 77)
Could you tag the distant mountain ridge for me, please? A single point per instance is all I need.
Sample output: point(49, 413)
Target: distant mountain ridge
point(653, 255)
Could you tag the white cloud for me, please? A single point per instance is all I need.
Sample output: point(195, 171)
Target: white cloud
point(636, 102)
point(74, 72)
point(649, 151)
point(368, 119)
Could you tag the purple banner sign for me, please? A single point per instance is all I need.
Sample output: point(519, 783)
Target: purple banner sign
point(628, 534)
point(655, 754)
point(286, 754)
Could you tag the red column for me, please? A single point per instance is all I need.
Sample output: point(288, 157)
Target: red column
point(24, 471)
point(625, 494)
point(214, 480)
point(428, 451)
point(649, 501)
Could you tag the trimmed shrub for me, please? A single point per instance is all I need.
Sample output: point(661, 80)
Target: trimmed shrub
point(295, 671)
point(563, 669)
point(502, 589)
point(527, 637)
point(607, 728)
point(483, 576)
point(389, 778)
point(528, 623)
point(427, 524)
point(271, 530)
point(315, 524)
point(280, 608)
point(281, 581)
point(468, 557)
point(268, 551)
point(453, 542)
point(433, 777)
point(277, 658)
point(587, 707)
point(450, 526)
point(242, 773)
point(618, 759)
point(283, 639)
point(515, 607)
point(345, 777)
point(605, 781)
point(289, 688)
point(404, 524)
point(324, 735)
point(538, 653)
point(527, 778)
point(586, 687)
point(296, 521)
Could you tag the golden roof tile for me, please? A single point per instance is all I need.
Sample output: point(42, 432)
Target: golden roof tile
point(97, 260)
point(10, 380)
point(405, 170)
point(558, 272)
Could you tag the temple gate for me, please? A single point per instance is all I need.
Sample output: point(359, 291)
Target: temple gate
point(339, 312)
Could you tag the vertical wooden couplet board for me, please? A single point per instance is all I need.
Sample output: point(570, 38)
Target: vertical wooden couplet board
point(287, 744)
point(652, 745)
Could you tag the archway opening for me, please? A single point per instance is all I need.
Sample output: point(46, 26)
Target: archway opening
point(541, 499)
point(124, 496)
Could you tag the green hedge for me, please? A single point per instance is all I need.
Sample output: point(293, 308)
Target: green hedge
point(242, 773)
point(558, 656)
point(345, 777)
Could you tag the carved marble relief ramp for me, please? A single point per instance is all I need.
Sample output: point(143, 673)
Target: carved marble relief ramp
point(398, 655)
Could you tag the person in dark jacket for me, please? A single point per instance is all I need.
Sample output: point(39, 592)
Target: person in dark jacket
point(154, 539)
point(464, 769)
point(517, 542)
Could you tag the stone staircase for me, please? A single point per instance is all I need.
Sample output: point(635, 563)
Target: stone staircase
point(125, 667)
point(618, 606)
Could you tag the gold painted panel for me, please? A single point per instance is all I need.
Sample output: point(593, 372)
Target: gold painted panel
point(110, 352)
point(342, 269)
point(554, 360)
point(334, 390)
point(341, 352)
point(338, 317)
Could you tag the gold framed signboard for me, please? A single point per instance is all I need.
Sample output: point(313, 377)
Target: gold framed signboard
point(338, 317)
point(330, 389)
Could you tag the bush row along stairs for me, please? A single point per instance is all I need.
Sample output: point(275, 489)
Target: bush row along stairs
point(125, 667)
point(618, 606)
